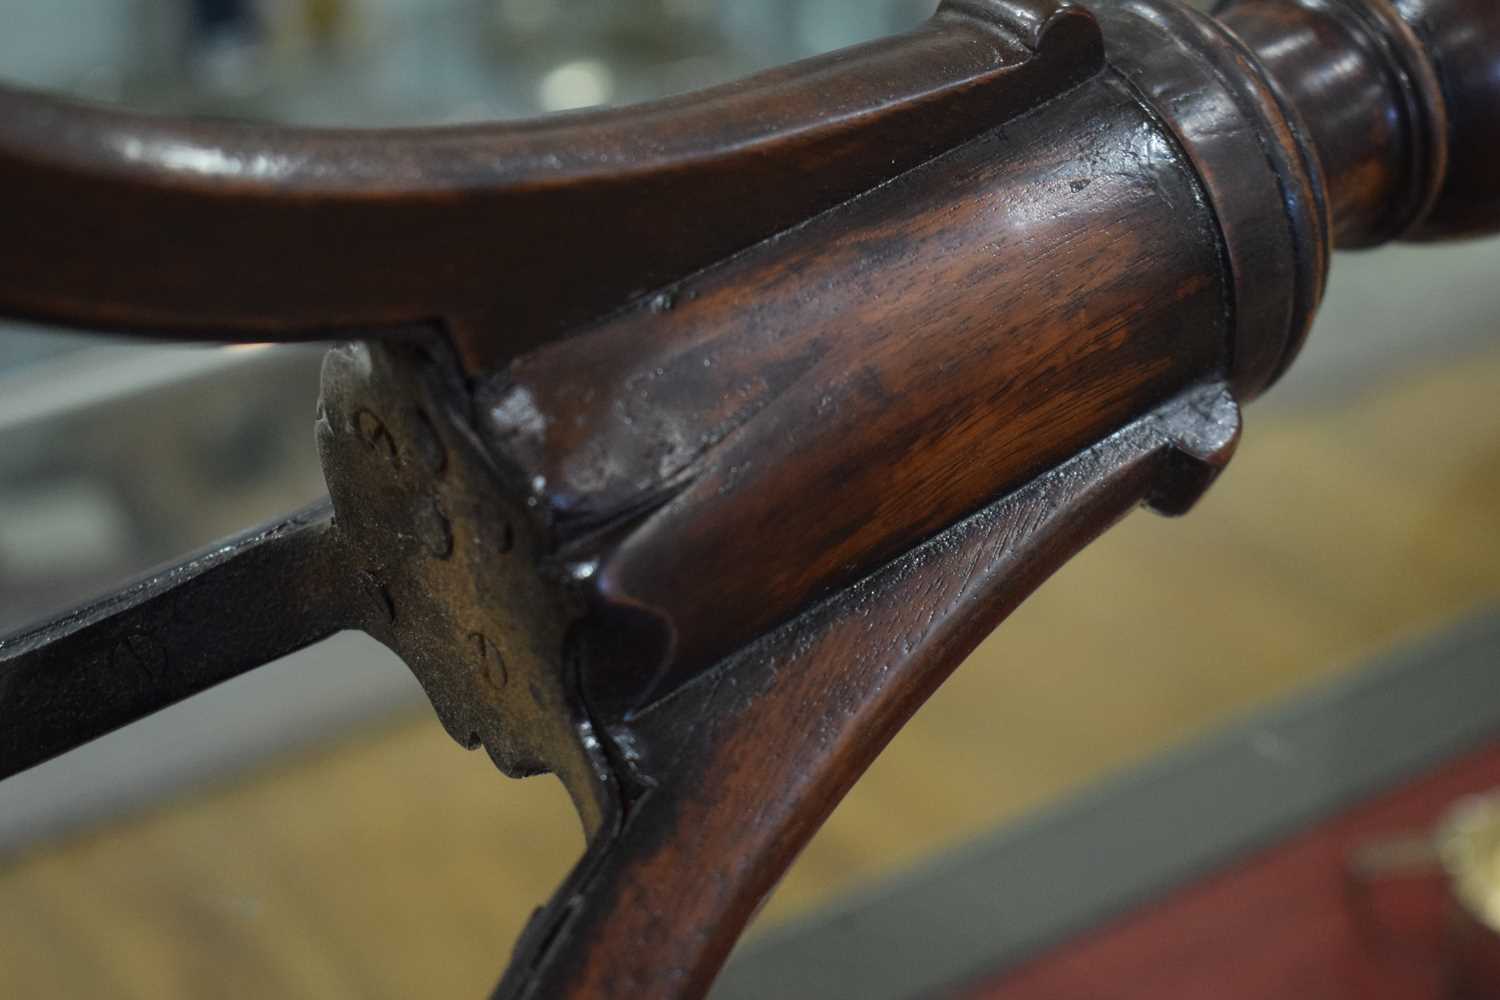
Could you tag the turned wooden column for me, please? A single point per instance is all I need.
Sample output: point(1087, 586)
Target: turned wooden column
point(792, 388)
point(1401, 99)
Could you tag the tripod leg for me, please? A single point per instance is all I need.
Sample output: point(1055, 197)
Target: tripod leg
point(736, 771)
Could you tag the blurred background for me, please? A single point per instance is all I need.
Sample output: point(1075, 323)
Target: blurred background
point(1322, 628)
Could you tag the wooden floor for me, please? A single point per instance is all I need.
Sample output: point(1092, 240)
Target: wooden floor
point(396, 865)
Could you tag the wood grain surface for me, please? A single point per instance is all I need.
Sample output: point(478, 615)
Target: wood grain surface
point(707, 550)
point(1337, 531)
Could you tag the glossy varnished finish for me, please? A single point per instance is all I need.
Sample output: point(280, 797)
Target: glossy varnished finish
point(763, 405)
point(1461, 37)
point(1263, 182)
point(745, 764)
point(1370, 100)
point(1400, 97)
point(823, 403)
point(507, 235)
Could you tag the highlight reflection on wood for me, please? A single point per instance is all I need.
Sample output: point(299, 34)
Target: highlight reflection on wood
point(1337, 531)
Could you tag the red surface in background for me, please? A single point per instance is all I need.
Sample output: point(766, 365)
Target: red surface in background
point(1287, 923)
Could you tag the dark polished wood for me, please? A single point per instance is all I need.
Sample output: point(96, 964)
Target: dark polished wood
point(1371, 100)
point(1399, 97)
point(1255, 169)
point(764, 404)
point(508, 235)
point(835, 396)
point(740, 768)
point(1460, 37)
